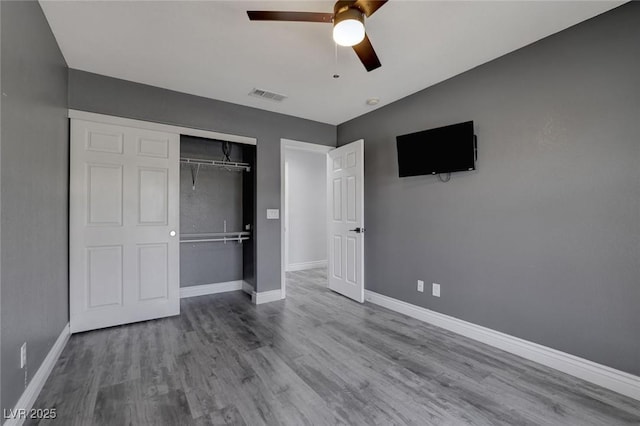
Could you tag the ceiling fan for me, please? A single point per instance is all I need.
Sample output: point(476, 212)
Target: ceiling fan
point(348, 25)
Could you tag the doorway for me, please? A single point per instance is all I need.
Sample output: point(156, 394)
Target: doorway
point(304, 210)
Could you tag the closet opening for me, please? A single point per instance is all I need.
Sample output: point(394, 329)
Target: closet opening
point(217, 216)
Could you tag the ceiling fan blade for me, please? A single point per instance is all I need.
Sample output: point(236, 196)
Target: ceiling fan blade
point(367, 55)
point(368, 7)
point(264, 15)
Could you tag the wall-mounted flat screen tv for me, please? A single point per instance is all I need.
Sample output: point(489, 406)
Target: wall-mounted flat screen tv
point(441, 150)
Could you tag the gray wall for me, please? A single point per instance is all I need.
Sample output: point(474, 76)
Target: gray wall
point(105, 95)
point(217, 198)
point(34, 193)
point(543, 240)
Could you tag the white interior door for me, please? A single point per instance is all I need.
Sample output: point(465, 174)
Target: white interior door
point(345, 216)
point(124, 215)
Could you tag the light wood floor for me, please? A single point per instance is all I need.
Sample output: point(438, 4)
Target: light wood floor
point(316, 358)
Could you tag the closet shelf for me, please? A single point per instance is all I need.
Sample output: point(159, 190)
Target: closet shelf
point(215, 237)
point(228, 165)
point(231, 166)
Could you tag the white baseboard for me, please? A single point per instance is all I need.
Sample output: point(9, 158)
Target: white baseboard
point(38, 380)
point(201, 290)
point(607, 377)
point(303, 266)
point(266, 296)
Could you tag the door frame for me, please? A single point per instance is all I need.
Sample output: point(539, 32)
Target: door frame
point(291, 144)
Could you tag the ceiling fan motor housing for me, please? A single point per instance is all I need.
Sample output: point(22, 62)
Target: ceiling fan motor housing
point(343, 10)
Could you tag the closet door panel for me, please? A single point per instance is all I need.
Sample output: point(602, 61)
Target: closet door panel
point(153, 196)
point(104, 276)
point(124, 262)
point(153, 147)
point(104, 139)
point(104, 194)
point(153, 271)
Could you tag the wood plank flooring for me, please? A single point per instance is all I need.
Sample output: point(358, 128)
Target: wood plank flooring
point(314, 359)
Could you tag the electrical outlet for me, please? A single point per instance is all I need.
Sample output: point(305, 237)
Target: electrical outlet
point(273, 214)
point(420, 286)
point(23, 355)
point(435, 289)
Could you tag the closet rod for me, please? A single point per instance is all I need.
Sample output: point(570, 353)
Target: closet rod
point(217, 234)
point(230, 165)
point(208, 240)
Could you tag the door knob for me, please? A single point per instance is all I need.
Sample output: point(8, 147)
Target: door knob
point(172, 233)
point(357, 230)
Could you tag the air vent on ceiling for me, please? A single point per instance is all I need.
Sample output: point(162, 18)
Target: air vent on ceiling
point(265, 94)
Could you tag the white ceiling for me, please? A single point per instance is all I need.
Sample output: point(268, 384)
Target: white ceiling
point(209, 48)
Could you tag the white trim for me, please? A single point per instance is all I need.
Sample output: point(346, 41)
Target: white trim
point(305, 146)
point(329, 204)
point(38, 380)
point(204, 289)
point(267, 296)
point(303, 266)
point(286, 144)
point(168, 128)
point(286, 218)
point(607, 377)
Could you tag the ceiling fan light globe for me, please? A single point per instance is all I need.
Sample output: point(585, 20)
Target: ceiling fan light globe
point(348, 32)
point(348, 25)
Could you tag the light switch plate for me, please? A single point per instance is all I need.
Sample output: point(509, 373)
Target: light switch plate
point(273, 213)
point(420, 286)
point(23, 355)
point(435, 290)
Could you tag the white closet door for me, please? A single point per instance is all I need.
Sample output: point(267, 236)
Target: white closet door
point(124, 215)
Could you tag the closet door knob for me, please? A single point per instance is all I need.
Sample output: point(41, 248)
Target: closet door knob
point(172, 233)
